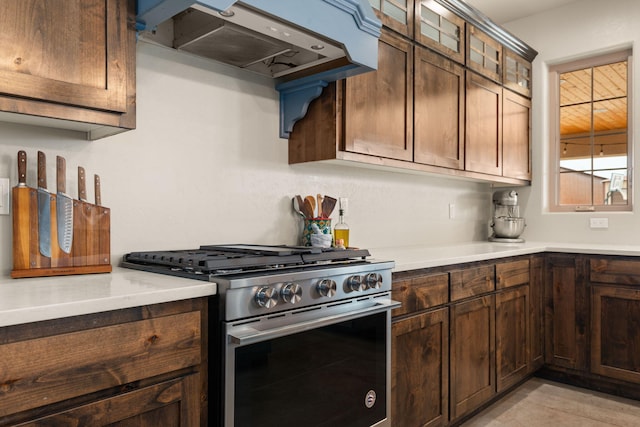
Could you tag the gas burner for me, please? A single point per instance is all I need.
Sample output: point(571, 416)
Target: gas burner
point(236, 259)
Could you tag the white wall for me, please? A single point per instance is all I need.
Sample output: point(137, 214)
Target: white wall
point(576, 30)
point(205, 165)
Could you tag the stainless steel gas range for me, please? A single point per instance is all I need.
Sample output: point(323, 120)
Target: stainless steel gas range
point(303, 333)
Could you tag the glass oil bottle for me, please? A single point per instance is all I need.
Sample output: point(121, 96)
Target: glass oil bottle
point(341, 229)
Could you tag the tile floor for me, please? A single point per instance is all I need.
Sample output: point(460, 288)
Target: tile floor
point(542, 403)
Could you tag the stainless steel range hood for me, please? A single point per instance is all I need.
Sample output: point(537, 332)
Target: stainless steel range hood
point(302, 44)
point(250, 40)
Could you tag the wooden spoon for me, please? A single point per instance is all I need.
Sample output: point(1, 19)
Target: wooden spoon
point(319, 199)
point(308, 209)
point(312, 202)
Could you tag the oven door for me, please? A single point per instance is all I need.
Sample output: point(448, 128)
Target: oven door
point(326, 366)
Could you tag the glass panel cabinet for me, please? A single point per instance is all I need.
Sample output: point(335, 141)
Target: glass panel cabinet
point(439, 29)
point(517, 73)
point(484, 54)
point(395, 14)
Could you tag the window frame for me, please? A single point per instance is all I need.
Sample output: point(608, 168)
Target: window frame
point(554, 129)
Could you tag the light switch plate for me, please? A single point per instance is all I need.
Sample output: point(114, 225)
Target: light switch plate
point(599, 222)
point(4, 193)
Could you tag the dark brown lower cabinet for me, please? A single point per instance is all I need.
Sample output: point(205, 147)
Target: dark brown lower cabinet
point(472, 354)
point(536, 322)
point(142, 366)
point(512, 336)
point(168, 404)
point(565, 312)
point(615, 332)
point(420, 366)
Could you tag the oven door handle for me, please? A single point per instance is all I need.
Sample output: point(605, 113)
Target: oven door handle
point(248, 335)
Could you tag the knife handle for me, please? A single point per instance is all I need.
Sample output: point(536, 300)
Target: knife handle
point(22, 168)
point(97, 190)
point(82, 186)
point(42, 170)
point(61, 170)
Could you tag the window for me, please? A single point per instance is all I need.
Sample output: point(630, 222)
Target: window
point(589, 125)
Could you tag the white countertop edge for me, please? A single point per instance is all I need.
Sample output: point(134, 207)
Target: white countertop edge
point(46, 298)
point(418, 257)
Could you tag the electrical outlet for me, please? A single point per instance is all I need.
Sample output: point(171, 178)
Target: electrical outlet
point(452, 211)
point(4, 196)
point(599, 222)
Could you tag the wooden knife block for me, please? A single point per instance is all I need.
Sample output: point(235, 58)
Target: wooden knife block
point(91, 245)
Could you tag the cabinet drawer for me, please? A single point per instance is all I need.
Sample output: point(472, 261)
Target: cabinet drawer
point(420, 293)
point(472, 281)
point(512, 274)
point(622, 272)
point(59, 367)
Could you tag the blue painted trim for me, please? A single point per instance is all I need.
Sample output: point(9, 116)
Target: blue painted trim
point(296, 95)
point(294, 103)
point(349, 22)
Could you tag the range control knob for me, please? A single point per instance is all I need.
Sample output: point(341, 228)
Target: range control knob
point(291, 292)
point(355, 283)
point(373, 280)
point(267, 297)
point(326, 287)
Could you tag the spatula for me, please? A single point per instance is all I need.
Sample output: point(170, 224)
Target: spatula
point(328, 204)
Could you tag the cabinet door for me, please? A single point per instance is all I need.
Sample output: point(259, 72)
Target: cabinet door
point(379, 105)
point(472, 354)
point(420, 293)
point(438, 110)
point(440, 30)
point(483, 133)
point(516, 136)
point(66, 52)
point(484, 54)
point(516, 73)
point(420, 370)
point(536, 298)
point(565, 317)
point(512, 336)
point(615, 335)
point(171, 403)
point(395, 14)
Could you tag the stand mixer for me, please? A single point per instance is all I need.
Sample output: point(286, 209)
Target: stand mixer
point(507, 223)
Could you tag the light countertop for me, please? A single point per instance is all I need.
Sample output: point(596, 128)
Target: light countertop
point(46, 298)
point(417, 257)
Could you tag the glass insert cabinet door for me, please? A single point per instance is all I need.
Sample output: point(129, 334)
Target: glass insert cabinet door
point(395, 14)
point(439, 29)
point(593, 128)
point(484, 54)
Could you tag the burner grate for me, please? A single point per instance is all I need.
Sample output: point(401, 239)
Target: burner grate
point(213, 258)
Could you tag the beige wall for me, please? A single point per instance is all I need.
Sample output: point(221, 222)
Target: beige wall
point(205, 165)
point(576, 30)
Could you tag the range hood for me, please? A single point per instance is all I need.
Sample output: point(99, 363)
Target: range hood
point(302, 44)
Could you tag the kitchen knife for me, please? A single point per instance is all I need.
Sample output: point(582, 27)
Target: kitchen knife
point(82, 185)
point(82, 222)
point(22, 168)
point(22, 218)
point(104, 225)
point(64, 208)
point(96, 190)
point(44, 208)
